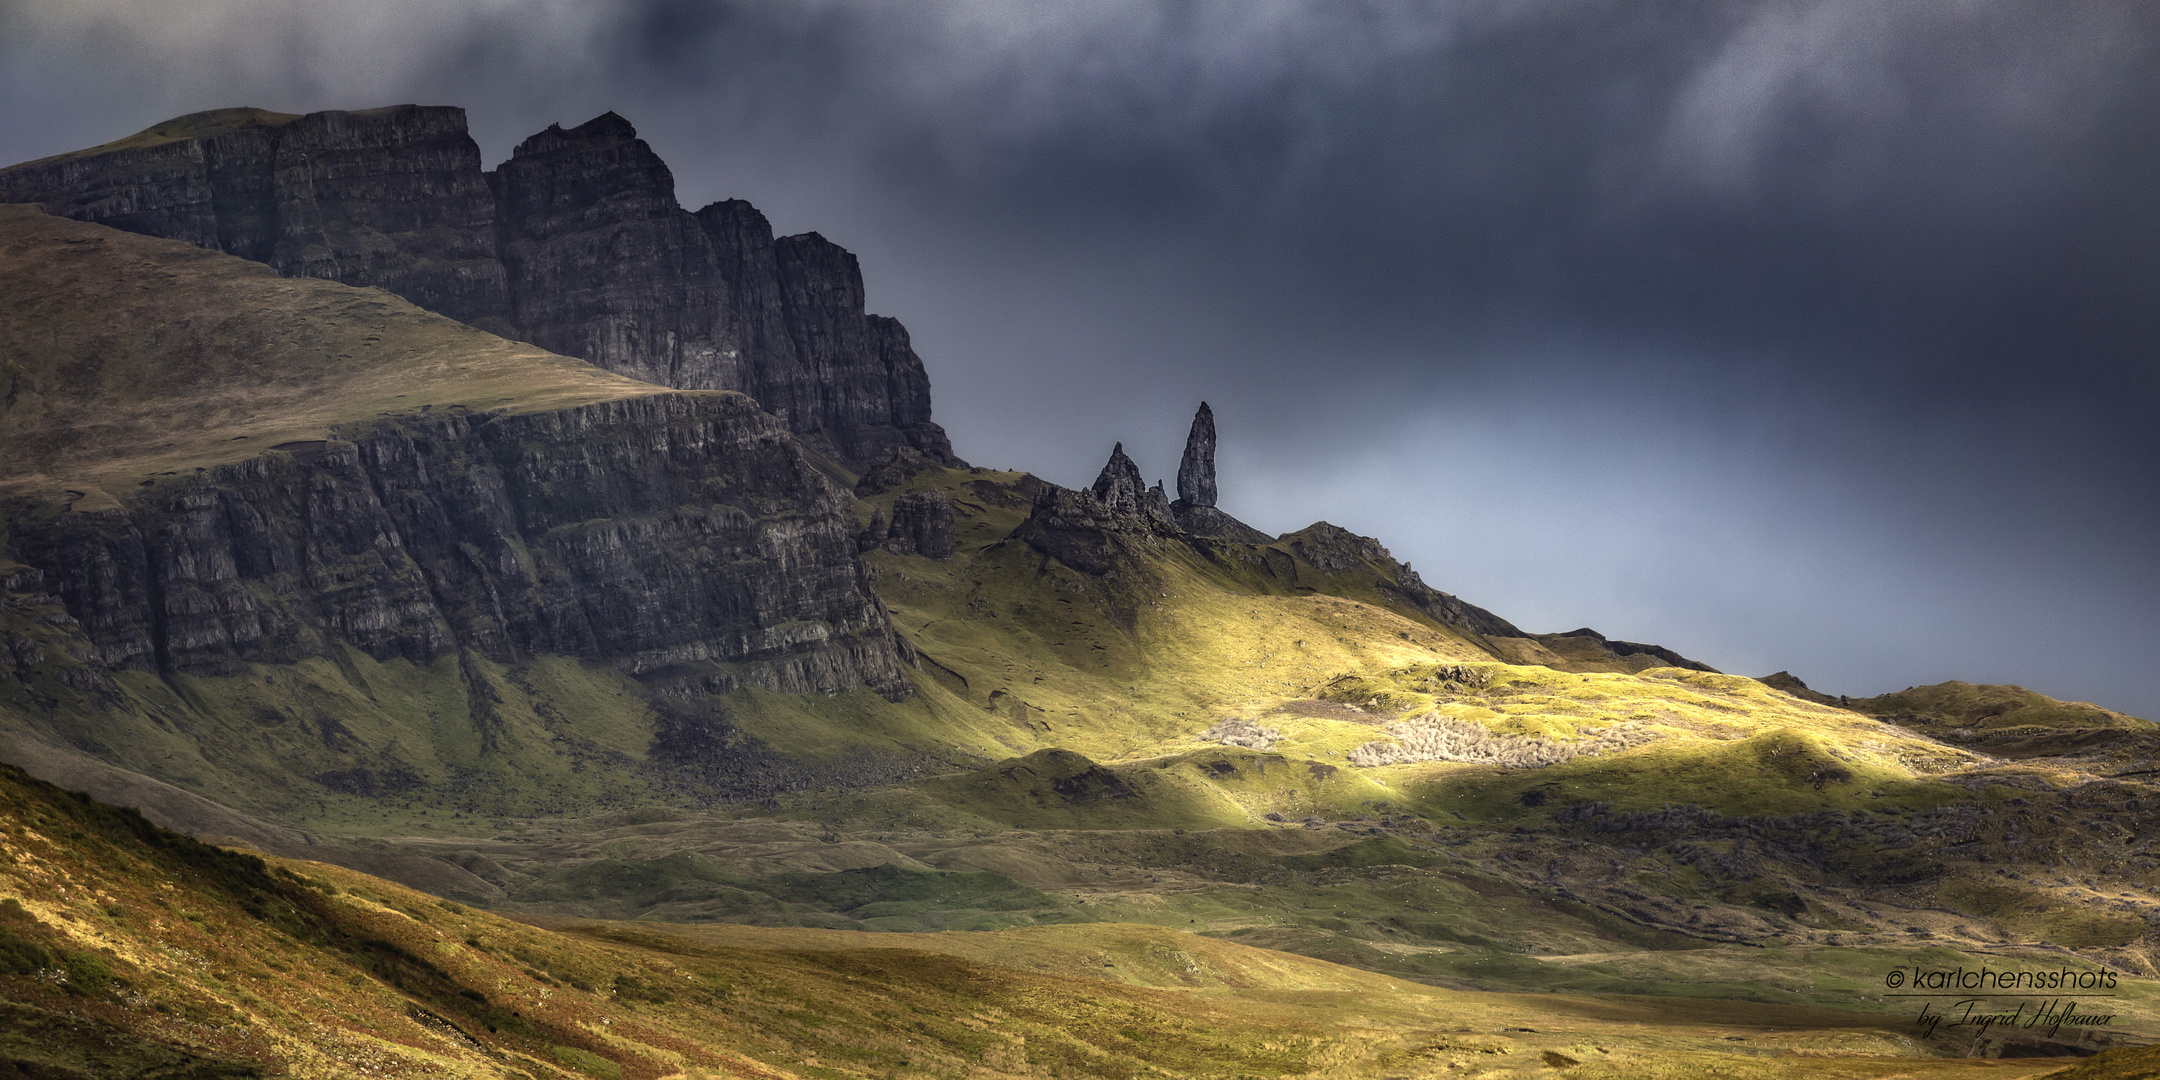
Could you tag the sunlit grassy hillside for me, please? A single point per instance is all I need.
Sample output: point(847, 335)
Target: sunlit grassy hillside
point(1142, 663)
point(1173, 805)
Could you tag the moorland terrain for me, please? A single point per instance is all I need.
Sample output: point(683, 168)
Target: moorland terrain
point(664, 697)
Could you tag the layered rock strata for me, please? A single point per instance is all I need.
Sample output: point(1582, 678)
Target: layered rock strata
point(640, 532)
point(576, 244)
point(922, 524)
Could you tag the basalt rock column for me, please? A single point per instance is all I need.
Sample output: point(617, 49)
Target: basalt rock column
point(1196, 473)
point(1194, 511)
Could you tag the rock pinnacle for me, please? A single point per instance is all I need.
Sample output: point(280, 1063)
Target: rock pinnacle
point(1196, 473)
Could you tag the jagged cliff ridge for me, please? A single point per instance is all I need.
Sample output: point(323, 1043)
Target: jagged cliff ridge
point(575, 244)
point(1107, 528)
point(402, 514)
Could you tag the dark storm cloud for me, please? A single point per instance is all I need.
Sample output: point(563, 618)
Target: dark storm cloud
point(1809, 334)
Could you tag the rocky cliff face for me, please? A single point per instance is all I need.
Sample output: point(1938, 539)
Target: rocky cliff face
point(638, 532)
point(392, 198)
point(575, 244)
point(922, 524)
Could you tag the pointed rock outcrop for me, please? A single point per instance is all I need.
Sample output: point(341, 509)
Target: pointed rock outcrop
point(1158, 504)
point(1096, 530)
point(1119, 486)
point(1079, 530)
point(1791, 684)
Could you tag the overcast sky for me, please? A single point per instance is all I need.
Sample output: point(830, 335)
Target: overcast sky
point(1808, 335)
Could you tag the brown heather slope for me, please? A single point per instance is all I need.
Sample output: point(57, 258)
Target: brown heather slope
point(2128, 1063)
point(126, 358)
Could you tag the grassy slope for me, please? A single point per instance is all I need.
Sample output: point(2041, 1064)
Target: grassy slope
point(1467, 906)
point(2014, 723)
point(125, 358)
point(124, 949)
point(572, 734)
point(199, 125)
point(1022, 655)
point(1137, 666)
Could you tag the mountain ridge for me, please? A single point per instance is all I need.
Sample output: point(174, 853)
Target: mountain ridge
point(575, 243)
